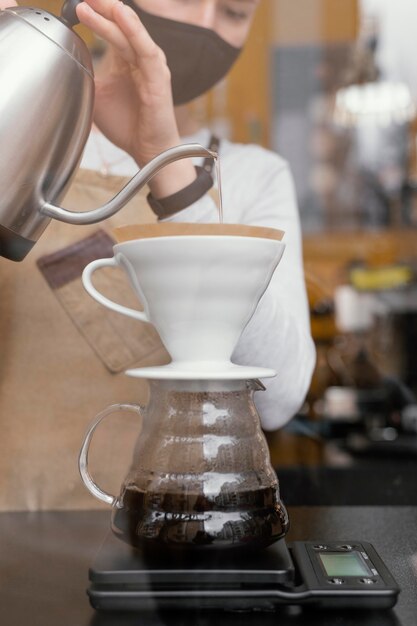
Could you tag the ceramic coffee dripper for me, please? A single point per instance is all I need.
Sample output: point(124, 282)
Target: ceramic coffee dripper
point(199, 291)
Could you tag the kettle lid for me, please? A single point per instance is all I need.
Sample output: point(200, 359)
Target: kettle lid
point(58, 30)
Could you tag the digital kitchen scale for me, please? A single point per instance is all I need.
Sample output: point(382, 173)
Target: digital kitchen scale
point(323, 574)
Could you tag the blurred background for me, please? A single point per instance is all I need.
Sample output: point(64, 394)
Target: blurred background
point(332, 86)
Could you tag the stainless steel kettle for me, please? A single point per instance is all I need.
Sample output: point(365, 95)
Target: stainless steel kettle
point(46, 110)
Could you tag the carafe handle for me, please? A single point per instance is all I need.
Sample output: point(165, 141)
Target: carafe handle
point(83, 457)
point(94, 293)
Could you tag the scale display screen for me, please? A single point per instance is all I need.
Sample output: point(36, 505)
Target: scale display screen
point(344, 564)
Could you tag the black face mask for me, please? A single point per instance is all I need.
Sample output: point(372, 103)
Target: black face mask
point(197, 57)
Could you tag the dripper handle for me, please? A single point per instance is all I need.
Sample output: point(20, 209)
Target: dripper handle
point(69, 13)
point(83, 457)
point(94, 293)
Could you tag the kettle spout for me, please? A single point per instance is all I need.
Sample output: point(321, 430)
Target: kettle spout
point(130, 189)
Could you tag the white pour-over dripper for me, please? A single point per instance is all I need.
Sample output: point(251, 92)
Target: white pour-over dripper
point(199, 292)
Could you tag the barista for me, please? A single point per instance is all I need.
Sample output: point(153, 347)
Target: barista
point(161, 55)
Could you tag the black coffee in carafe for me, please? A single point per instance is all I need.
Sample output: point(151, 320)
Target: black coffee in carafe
point(201, 475)
point(228, 520)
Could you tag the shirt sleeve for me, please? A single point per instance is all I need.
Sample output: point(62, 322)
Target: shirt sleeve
point(278, 335)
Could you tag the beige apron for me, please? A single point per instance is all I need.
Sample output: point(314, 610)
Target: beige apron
point(62, 358)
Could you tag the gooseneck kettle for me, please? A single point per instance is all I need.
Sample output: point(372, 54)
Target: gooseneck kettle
point(46, 112)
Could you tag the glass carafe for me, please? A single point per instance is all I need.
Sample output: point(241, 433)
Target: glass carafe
point(201, 475)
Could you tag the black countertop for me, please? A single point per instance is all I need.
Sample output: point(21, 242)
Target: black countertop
point(44, 560)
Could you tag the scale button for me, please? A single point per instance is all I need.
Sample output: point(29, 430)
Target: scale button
point(336, 581)
point(320, 547)
point(367, 581)
point(345, 547)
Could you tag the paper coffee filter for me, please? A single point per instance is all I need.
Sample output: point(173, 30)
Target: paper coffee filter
point(130, 232)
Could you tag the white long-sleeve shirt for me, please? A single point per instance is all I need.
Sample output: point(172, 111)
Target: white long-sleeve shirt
point(257, 189)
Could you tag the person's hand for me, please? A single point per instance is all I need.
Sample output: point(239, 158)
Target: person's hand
point(133, 105)
point(5, 4)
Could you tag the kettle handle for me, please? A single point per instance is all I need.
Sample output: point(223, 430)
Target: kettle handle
point(94, 293)
point(83, 457)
